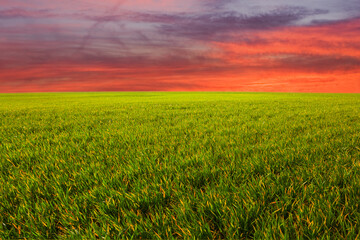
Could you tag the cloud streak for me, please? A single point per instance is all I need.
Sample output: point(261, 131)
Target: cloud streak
point(163, 45)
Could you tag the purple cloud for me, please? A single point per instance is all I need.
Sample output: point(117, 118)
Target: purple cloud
point(210, 25)
point(12, 13)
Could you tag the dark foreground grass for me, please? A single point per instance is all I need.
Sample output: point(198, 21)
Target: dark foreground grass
point(180, 165)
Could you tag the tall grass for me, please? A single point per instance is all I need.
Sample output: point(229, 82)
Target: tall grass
point(180, 165)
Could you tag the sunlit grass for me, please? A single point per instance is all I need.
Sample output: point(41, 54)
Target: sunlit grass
point(182, 165)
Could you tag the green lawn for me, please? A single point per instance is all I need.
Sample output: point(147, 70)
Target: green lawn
point(180, 165)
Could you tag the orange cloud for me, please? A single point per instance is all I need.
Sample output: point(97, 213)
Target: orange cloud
point(203, 52)
point(323, 58)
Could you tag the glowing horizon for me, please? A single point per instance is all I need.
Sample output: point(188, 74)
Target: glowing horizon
point(195, 45)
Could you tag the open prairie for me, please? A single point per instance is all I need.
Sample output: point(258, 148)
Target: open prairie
point(180, 165)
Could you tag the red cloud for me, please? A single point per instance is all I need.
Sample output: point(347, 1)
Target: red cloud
point(321, 58)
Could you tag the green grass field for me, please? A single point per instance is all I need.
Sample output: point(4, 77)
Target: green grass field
point(180, 165)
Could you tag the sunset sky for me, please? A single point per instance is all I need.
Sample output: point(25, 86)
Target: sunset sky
point(173, 45)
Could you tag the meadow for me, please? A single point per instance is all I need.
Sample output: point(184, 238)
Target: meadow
point(155, 165)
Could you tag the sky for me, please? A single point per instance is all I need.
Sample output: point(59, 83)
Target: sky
point(187, 45)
